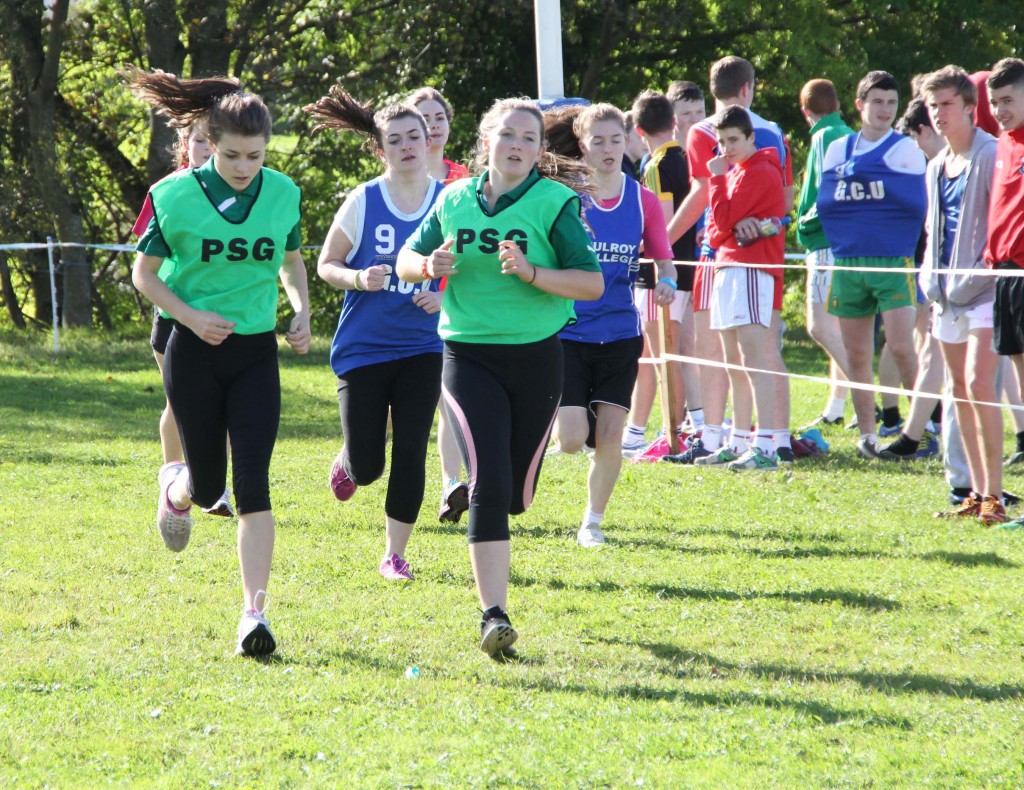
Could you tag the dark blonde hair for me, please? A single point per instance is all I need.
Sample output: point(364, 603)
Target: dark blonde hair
point(570, 172)
point(339, 110)
point(566, 126)
point(217, 104)
point(596, 113)
point(951, 77)
point(427, 93)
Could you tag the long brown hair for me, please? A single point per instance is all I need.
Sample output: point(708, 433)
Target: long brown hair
point(217, 104)
point(340, 110)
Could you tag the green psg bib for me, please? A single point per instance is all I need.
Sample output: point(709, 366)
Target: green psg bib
point(482, 305)
point(227, 267)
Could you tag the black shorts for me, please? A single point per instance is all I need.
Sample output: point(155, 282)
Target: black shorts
point(600, 372)
point(1008, 314)
point(161, 332)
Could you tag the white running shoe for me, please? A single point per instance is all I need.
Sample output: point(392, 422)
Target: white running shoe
point(254, 637)
point(222, 507)
point(590, 536)
point(174, 525)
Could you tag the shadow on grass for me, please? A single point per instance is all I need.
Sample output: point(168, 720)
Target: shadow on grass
point(898, 683)
point(817, 711)
point(955, 558)
point(959, 559)
point(780, 552)
point(819, 596)
point(816, 596)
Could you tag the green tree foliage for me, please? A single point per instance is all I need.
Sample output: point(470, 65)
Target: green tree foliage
point(106, 147)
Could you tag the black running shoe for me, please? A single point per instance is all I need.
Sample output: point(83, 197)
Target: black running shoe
point(497, 634)
point(456, 502)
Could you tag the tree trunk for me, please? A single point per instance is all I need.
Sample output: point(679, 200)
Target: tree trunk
point(10, 297)
point(165, 51)
point(209, 47)
point(41, 42)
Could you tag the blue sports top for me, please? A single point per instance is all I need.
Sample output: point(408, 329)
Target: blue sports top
point(951, 193)
point(869, 209)
point(381, 326)
point(617, 232)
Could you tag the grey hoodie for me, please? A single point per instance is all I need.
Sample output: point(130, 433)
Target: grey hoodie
point(959, 293)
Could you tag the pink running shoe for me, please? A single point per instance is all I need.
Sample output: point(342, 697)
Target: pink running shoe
point(174, 525)
point(341, 483)
point(394, 567)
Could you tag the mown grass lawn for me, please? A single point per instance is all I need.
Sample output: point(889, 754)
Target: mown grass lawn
point(806, 628)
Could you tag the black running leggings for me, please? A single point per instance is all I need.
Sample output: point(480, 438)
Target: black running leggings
point(409, 388)
point(502, 401)
point(216, 390)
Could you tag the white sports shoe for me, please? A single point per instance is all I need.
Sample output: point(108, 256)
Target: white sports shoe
point(254, 637)
point(222, 507)
point(174, 525)
point(590, 536)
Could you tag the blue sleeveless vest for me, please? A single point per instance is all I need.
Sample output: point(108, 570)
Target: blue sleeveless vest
point(384, 325)
point(868, 209)
point(617, 234)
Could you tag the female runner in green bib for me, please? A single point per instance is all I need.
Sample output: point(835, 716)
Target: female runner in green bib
point(230, 228)
point(516, 255)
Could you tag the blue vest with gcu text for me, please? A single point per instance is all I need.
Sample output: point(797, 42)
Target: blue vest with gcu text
point(385, 325)
point(869, 210)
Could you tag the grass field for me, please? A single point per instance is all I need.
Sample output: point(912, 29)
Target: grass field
point(810, 628)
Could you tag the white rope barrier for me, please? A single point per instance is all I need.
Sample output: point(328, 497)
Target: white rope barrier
point(790, 256)
point(874, 388)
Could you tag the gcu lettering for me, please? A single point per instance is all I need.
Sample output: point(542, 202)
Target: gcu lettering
point(488, 239)
point(855, 190)
point(238, 249)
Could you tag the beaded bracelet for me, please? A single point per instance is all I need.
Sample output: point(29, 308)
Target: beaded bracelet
point(423, 270)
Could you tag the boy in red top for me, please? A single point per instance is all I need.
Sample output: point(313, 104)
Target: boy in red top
point(741, 199)
point(1005, 249)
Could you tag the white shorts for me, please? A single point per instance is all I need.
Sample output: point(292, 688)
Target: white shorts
point(819, 274)
point(650, 310)
point(947, 329)
point(741, 295)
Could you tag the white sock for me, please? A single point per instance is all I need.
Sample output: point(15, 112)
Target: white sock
point(592, 519)
point(764, 442)
point(931, 427)
point(712, 438)
point(782, 439)
point(870, 438)
point(836, 408)
point(635, 431)
point(739, 441)
point(697, 419)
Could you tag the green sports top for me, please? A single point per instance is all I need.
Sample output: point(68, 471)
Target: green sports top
point(482, 305)
point(809, 232)
point(227, 266)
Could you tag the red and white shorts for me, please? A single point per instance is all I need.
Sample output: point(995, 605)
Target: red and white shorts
point(740, 296)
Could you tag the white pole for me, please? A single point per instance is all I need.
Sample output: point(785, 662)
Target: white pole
point(548, 23)
point(53, 294)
